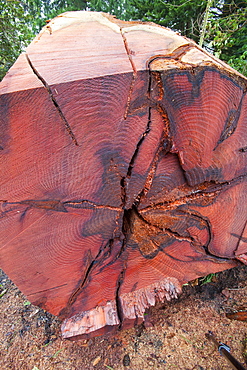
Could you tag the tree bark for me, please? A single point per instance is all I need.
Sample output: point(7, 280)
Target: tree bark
point(123, 169)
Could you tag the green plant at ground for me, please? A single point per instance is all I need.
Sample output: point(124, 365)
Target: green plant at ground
point(206, 279)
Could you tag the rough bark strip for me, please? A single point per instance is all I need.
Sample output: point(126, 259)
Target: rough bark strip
point(180, 201)
point(67, 126)
point(163, 147)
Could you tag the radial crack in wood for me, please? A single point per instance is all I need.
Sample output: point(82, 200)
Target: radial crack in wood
point(154, 194)
point(67, 126)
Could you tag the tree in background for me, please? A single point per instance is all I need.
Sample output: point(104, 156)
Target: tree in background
point(227, 32)
point(15, 32)
point(222, 31)
point(179, 15)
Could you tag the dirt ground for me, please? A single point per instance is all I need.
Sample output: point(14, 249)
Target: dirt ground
point(173, 336)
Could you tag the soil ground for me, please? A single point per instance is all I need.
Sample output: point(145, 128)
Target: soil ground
point(173, 336)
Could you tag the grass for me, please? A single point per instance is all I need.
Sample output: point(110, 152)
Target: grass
point(27, 303)
point(3, 292)
point(57, 353)
point(206, 279)
point(202, 280)
point(195, 345)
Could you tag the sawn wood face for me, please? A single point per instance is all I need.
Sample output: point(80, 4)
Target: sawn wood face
point(117, 189)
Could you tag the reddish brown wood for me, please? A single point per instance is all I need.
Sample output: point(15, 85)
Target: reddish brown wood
point(123, 169)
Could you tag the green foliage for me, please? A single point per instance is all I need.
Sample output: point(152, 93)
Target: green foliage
point(15, 32)
point(206, 279)
point(227, 32)
point(179, 15)
point(43, 10)
point(121, 9)
point(220, 24)
point(239, 63)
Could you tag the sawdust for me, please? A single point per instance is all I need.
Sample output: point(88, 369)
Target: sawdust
point(173, 336)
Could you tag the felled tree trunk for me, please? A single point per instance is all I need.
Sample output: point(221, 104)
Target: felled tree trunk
point(123, 169)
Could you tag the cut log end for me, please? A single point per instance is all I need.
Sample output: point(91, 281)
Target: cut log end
point(123, 179)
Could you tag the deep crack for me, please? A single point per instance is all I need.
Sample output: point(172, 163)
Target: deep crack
point(103, 253)
point(205, 247)
point(165, 143)
point(87, 204)
point(58, 206)
point(165, 230)
point(118, 300)
point(128, 52)
point(208, 189)
point(129, 96)
point(132, 161)
point(55, 103)
point(123, 181)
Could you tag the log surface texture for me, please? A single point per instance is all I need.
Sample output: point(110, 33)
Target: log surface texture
point(123, 169)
